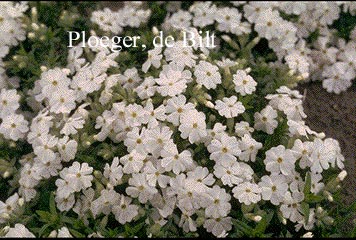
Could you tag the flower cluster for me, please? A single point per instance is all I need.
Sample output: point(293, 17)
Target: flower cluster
point(329, 58)
point(131, 15)
point(181, 141)
point(13, 125)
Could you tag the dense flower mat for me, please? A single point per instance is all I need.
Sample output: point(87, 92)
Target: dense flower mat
point(171, 141)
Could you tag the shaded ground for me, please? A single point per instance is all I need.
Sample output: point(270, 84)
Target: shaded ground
point(335, 115)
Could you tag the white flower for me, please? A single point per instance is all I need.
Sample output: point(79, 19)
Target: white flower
point(154, 115)
point(154, 58)
point(136, 141)
point(74, 60)
point(9, 102)
point(64, 233)
point(228, 19)
point(174, 161)
point(225, 150)
point(279, 160)
point(316, 185)
point(10, 205)
point(291, 208)
point(231, 174)
point(130, 78)
point(14, 127)
point(134, 115)
point(207, 74)
point(204, 13)
point(268, 23)
point(139, 188)
point(53, 80)
point(302, 151)
point(147, 88)
point(249, 148)
point(72, 125)
point(133, 162)
point(337, 77)
point(62, 102)
point(176, 106)
point(125, 211)
point(180, 54)
point(218, 204)
point(218, 226)
point(114, 172)
point(273, 188)
point(155, 175)
point(105, 202)
point(320, 156)
point(67, 148)
point(172, 80)
point(193, 125)
point(65, 204)
point(186, 222)
point(199, 178)
point(19, 231)
point(244, 83)
point(216, 133)
point(156, 139)
point(79, 176)
point(242, 128)
point(247, 193)
point(265, 120)
point(229, 107)
point(180, 19)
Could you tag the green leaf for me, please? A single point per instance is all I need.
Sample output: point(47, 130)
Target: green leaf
point(307, 186)
point(44, 216)
point(52, 205)
point(263, 224)
point(306, 211)
point(104, 222)
point(76, 233)
point(43, 228)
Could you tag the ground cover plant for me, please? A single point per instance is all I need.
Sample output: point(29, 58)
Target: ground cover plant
point(171, 141)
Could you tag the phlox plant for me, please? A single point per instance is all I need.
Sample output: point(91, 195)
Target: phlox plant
point(171, 142)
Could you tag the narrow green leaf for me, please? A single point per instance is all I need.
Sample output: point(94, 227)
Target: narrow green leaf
point(307, 186)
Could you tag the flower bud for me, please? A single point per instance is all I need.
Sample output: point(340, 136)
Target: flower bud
point(31, 35)
point(35, 26)
point(203, 56)
point(21, 201)
point(319, 210)
point(34, 11)
point(5, 229)
point(226, 38)
point(308, 235)
point(341, 175)
point(109, 186)
point(328, 220)
point(43, 68)
point(155, 30)
point(53, 234)
point(97, 174)
point(209, 104)
point(257, 218)
point(5, 215)
point(328, 195)
point(6, 174)
point(200, 221)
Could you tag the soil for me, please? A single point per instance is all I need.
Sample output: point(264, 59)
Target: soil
point(335, 115)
